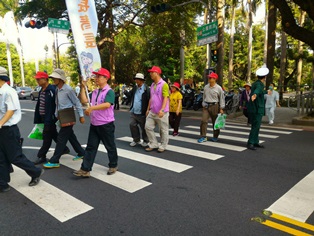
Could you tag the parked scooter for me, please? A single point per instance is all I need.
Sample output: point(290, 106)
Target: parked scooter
point(188, 96)
point(126, 98)
point(231, 102)
point(198, 101)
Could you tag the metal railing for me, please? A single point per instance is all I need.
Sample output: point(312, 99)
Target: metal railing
point(304, 102)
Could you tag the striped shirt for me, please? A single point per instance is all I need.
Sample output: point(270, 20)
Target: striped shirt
point(42, 103)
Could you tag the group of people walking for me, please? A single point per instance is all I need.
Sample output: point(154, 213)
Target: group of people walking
point(150, 106)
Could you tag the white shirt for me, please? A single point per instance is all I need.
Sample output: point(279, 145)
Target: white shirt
point(271, 99)
point(9, 101)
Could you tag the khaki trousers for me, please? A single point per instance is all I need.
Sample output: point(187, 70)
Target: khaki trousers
point(163, 125)
point(212, 112)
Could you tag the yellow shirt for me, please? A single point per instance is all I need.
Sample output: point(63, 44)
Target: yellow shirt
point(174, 101)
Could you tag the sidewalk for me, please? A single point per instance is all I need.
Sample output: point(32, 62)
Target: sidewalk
point(284, 117)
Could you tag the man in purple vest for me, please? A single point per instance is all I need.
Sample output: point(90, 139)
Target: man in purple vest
point(102, 126)
point(157, 111)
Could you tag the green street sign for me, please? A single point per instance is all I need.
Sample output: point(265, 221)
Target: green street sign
point(207, 33)
point(58, 26)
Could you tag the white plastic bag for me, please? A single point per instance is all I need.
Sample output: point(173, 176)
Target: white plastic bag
point(220, 121)
point(37, 132)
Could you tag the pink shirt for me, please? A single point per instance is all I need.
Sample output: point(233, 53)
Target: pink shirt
point(101, 117)
point(156, 97)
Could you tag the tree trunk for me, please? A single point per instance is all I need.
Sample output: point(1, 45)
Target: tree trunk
point(230, 72)
point(300, 62)
point(250, 28)
point(266, 32)
point(112, 55)
point(220, 43)
point(283, 61)
point(272, 20)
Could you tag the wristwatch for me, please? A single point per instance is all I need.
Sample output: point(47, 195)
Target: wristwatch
point(163, 111)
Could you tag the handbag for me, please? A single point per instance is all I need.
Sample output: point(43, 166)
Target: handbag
point(67, 117)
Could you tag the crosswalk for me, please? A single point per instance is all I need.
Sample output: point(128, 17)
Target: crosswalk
point(233, 139)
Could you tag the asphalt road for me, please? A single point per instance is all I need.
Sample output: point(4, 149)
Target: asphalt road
point(190, 189)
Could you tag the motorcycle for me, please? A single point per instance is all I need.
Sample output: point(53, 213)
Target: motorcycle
point(188, 96)
point(198, 101)
point(231, 102)
point(126, 98)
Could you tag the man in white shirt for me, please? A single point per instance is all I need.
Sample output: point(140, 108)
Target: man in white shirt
point(10, 146)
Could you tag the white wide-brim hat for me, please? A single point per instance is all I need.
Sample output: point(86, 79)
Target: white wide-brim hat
point(139, 76)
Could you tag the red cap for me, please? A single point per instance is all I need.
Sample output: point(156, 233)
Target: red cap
point(213, 75)
point(176, 85)
point(103, 72)
point(155, 69)
point(41, 75)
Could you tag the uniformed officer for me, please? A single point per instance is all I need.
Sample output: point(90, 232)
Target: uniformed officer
point(10, 146)
point(256, 107)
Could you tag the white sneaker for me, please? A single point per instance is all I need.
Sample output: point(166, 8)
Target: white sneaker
point(144, 144)
point(271, 122)
point(133, 144)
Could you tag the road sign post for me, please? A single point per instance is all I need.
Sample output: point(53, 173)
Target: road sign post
point(58, 26)
point(207, 33)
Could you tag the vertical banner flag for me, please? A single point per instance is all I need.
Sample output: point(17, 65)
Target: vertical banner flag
point(84, 24)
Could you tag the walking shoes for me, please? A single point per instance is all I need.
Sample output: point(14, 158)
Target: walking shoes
point(112, 170)
point(49, 165)
point(133, 144)
point(81, 173)
point(76, 158)
point(4, 189)
point(35, 180)
point(40, 160)
point(202, 140)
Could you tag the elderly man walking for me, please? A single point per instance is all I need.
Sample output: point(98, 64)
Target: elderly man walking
point(157, 111)
point(102, 126)
point(10, 146)
point(65, 98)
point(213, 104)
point(139, 102)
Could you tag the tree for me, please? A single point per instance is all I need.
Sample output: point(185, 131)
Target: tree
point(289, 20)
point(113, 17)
point(220, 42)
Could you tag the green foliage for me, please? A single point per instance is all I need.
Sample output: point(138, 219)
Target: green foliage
point(154, 39)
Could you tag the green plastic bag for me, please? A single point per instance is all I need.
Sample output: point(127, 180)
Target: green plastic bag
point(37, 132)
point(220, 121)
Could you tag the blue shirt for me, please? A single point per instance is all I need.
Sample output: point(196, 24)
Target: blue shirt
point(66, 98)
point(137, 104)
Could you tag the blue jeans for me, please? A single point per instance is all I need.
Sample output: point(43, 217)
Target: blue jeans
point(104, 133)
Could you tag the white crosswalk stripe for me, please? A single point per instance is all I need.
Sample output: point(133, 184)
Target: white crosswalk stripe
point(187, 151)
point(266, 126)
point(120, 180)
point(210, 144)
point(261, 129)
point(221, 136)
point(235, 132)
point(150, 160)
point(56, 202)
point(67, 206)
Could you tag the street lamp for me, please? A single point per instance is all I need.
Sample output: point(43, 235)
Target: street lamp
point(58, 52)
